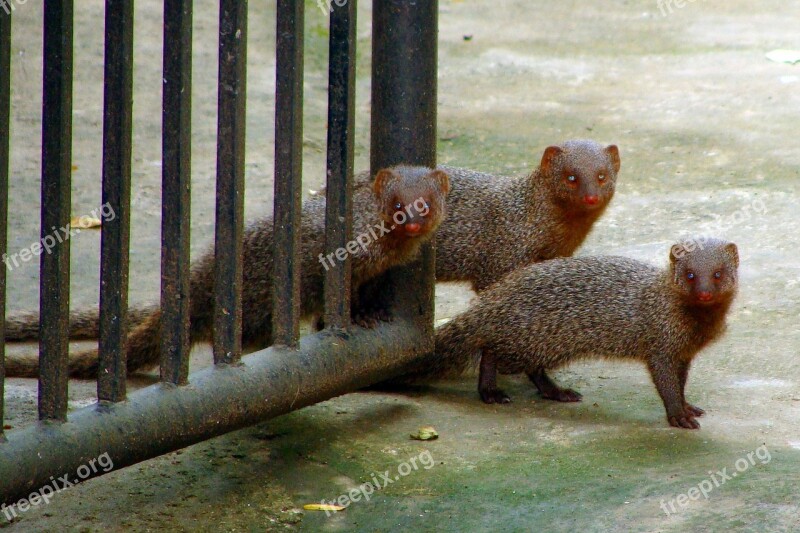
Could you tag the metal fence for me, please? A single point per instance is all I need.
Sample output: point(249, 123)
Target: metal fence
point(184, 408)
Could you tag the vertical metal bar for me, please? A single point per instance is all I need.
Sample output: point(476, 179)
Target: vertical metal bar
point(404, 62)
point(56, 199)
point(403, 129)
point(175, 190)
point(230, 181)
point(116, 199)
point(341, 130)
point(5, 126)
point(288, 172)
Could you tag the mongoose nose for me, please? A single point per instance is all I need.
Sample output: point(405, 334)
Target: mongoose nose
point(705, 296)
point(591, 199)
point(412, 227)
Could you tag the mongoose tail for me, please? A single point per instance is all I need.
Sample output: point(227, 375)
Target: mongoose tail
point(84, 324)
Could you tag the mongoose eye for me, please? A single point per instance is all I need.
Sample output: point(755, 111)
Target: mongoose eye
point(601, 177)
point(718, 275)
point(572, 179)
point(690, 276)
point(398, 206)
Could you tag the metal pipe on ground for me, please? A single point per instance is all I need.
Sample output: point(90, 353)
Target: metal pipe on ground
point(164, 417)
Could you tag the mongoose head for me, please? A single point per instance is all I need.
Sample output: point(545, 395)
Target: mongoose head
point(704, 271)
point(412, 199)
point(582, 174)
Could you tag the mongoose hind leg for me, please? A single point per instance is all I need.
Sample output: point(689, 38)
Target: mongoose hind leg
point(550, 390)
point(487, 380)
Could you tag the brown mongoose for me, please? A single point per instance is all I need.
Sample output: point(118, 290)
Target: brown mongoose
point(549, 314)
point(496, 224)
point(391, 219)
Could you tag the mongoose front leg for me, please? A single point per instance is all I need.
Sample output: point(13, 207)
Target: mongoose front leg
point(683, 374)
point(665, 377)
point(487, 380)
point(368, 304)
point(550, 390)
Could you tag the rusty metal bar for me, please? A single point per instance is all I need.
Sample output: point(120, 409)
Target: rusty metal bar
point(115, 239)
point(341, 131)
point(230, 181)
point(175, 191)
point(5, 125)
point(288, 172)
point(56, 200)
point(403, 128)
point(267, 384)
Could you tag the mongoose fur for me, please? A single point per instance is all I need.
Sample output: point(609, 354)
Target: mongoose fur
point(497, 224)
point(393, 190)
point(547, 315)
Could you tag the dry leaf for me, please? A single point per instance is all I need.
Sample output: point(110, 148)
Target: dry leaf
point(425, 433)
point(322, 507)
point(85, 222)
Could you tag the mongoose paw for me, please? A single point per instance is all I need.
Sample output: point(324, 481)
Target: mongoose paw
point(371, 319)
point(365, 321)
point(494, 396)
point(692, 410)
point(563, 395)
point(383, 315)
point(684, 422)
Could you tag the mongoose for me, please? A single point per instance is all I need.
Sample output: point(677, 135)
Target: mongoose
point(393, 217)
point(496, 224)
point(549, 314)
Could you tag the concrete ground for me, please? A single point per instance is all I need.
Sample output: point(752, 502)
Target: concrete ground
point(708, 132)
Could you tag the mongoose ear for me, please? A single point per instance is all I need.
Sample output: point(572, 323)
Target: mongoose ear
point(676, 253)
point(734, 253)
point(442, 179)
point(613, 155)
point(384, 176)
point(549, 156)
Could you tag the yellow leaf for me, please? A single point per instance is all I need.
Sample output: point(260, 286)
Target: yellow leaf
point(85, 222)
point(322, 507)
point(425, 433)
